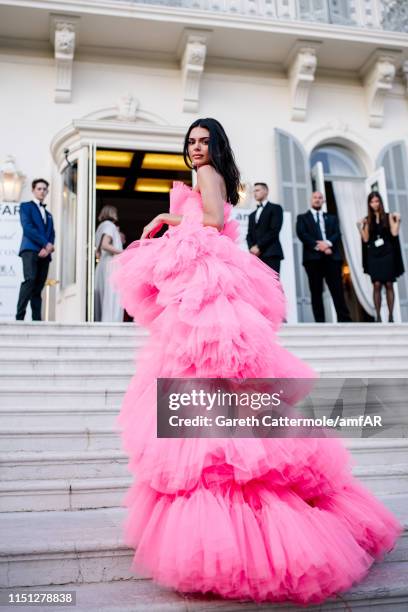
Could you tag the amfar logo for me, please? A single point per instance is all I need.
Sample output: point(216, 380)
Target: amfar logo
point(9, 210)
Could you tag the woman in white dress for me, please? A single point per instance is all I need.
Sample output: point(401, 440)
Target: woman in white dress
point(108, 243)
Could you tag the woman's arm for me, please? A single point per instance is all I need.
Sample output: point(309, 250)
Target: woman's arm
point(157, 223)
point(395, 221)
point(363, 229)
point(106, 245)
point(209, 184)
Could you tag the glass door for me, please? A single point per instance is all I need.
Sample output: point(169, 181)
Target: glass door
point(91, 233)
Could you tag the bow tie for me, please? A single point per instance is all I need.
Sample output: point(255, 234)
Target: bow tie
point(259, 205)
point(43, 205)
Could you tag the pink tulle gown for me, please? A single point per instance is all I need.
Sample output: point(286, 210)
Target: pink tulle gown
point(261, 519)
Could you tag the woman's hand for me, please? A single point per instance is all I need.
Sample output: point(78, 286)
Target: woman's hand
point(395, 220)
point(152, 228)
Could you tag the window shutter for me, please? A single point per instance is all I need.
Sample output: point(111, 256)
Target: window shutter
point(295, 194)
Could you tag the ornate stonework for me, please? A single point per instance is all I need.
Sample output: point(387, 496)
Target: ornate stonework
point(192, 68)
point(301, 64)
point(378, 77)
point(63, 39)
point(127, 107)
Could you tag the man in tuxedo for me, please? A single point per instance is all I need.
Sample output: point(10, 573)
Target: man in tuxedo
point(36, 247)
point(264, 225)
point(320, 234)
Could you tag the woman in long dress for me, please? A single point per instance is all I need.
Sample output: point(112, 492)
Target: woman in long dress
point(263, 518)
point(382, 258)
point(108, 244)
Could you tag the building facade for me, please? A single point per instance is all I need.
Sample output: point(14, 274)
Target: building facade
point(96, 98)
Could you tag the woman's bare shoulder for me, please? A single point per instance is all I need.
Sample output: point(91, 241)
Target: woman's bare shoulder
point(207, 176)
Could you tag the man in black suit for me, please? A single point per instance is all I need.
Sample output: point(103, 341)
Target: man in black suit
point(320, 234)
point(264, 225)
point(36, 247)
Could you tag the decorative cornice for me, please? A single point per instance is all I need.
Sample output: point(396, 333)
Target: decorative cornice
point(64, 39)
point(110, 131)
point(193, 49)
point(378, 75)
point(301, 67)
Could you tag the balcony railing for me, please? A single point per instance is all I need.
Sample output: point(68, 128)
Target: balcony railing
point(377, 14)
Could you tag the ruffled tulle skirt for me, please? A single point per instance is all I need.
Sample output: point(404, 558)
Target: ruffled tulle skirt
point(265, 519)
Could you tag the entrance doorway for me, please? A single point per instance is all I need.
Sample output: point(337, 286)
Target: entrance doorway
point(340, 177)
point(137, 184)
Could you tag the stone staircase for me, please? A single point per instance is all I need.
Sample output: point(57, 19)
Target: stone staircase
point(63, 473)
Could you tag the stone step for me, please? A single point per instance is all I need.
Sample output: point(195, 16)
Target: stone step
point(55, 465)
point(54, 438)
point(381, 457)
point(385, 451)
point(57, 344)
point(62, 494)
point(40, 548)
point(55, 482)
point(383, 590)
point(76, 378)
point(44, 361)
point(61, 408)
point(47, 435)
point(38, 327)
point(304, 348)
point(116, 332)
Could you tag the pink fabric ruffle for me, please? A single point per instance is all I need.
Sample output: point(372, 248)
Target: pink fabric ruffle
point(266, 519)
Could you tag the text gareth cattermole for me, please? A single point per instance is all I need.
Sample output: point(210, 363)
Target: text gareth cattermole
point(202, 398)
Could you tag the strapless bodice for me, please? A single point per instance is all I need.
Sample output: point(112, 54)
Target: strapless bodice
point(187, 202)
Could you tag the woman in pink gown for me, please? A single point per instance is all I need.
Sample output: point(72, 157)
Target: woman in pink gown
point(262, 519)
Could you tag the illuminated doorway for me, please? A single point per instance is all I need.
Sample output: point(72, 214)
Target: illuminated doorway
point(137, 184)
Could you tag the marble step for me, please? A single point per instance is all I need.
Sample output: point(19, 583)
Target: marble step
point(62, 494)
point(304, 347)
point(114, 359)
point(76, 378)
point(46, 434)
point(94, 484)
point(98, 334)
point(50, 437)
point(66, 409)
point(40, 548)
point(383, 590)
point(41, 327)
point(134, 335)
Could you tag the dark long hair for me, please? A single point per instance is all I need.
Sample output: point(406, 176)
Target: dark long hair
point(221, 156)
point(371, 214)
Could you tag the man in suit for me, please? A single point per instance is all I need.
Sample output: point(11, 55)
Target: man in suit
point(264, 225)
point(320, 234)
point(36, 247)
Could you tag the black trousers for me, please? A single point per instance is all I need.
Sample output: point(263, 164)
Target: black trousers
point(329, 270)
point(35, 270)
point(272, 262)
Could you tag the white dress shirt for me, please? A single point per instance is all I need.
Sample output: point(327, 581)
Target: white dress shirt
point(259, 210)
point(321, 223)
point(41, 209)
